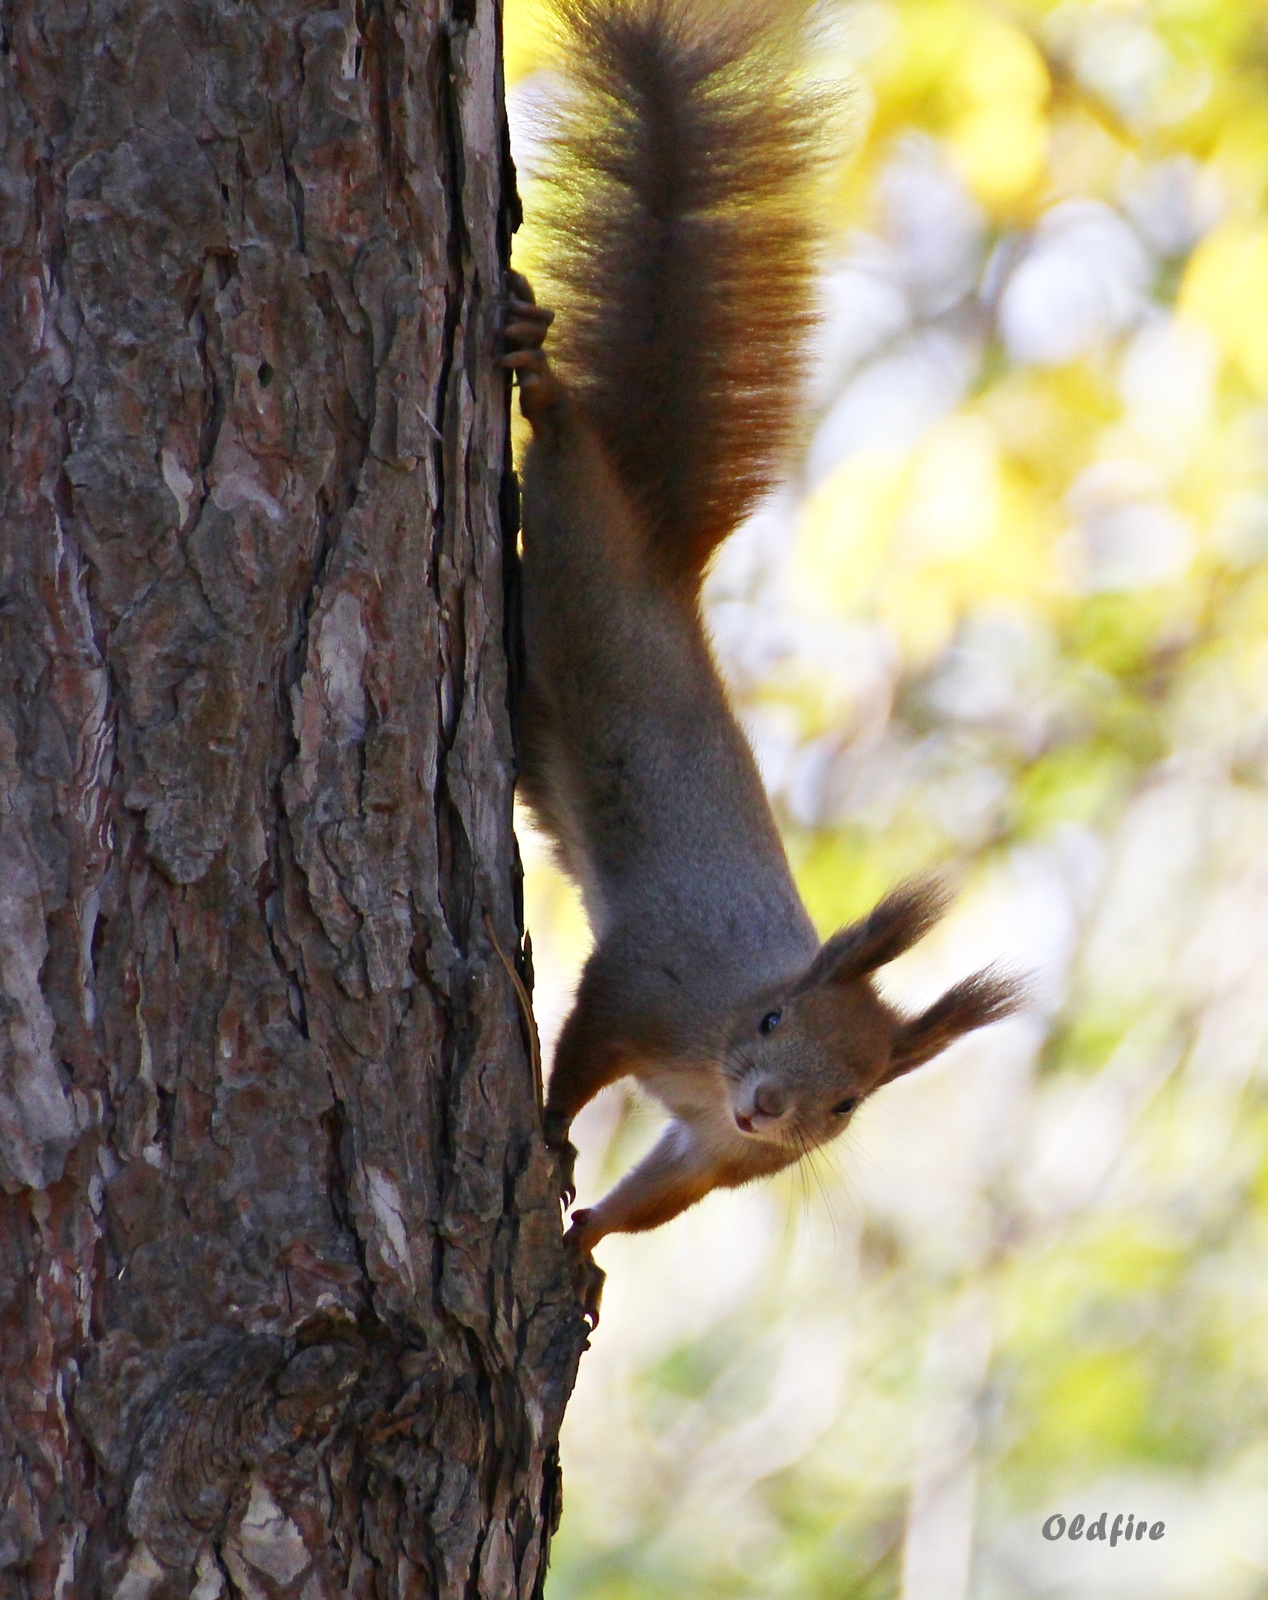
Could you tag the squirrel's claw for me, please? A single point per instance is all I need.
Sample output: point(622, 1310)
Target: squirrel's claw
point(564, 1151)
point(566, 1155)
point(589, 1280)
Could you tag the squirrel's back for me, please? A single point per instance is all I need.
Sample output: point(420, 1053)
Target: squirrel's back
point(681, 251)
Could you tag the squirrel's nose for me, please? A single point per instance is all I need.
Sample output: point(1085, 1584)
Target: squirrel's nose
point(768, 1100)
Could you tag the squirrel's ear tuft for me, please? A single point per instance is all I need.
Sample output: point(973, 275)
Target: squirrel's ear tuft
point(972, 1003)
point(900, 921)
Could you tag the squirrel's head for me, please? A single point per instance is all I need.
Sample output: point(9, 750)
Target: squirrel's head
point(805, 1058)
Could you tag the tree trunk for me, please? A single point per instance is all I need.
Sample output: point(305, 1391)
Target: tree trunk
point(284, 1308)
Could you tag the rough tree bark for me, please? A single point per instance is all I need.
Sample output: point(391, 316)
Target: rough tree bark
point(284, 1309)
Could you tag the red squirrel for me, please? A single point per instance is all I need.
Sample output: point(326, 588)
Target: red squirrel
point(683, 252)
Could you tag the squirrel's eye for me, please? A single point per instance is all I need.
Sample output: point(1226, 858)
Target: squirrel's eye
point(769, 1022)
point(844, 1107)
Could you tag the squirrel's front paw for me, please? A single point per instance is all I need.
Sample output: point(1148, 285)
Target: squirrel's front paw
point(587, 1277)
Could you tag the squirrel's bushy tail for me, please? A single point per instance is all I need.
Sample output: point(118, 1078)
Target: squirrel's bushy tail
point(680, 251)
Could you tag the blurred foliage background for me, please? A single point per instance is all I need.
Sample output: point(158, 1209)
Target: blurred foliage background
point(1009, 614)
